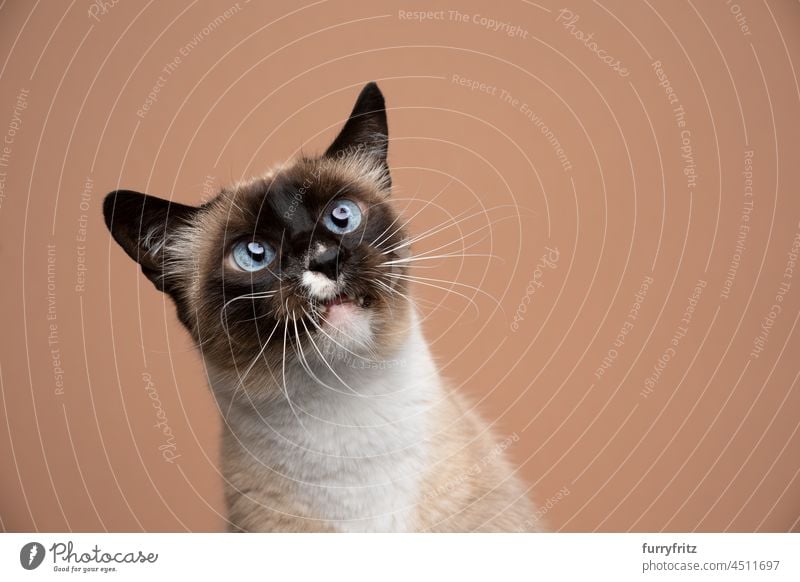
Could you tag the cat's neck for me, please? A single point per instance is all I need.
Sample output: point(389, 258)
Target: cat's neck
point(352, 453)
point(317, 394)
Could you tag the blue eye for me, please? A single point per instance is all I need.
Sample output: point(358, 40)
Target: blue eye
point(342, 216)
point(252, 256)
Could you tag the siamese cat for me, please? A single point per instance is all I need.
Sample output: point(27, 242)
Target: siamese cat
point(294, 286)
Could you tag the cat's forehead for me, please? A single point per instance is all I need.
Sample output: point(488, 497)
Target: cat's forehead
point(293, 195)
point(307, 183)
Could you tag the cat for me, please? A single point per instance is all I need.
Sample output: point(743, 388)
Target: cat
point(294, 286)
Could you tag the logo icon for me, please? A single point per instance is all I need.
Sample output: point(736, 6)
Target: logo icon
point(31, 555)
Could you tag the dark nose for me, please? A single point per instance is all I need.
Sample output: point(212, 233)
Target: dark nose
point(328, 262)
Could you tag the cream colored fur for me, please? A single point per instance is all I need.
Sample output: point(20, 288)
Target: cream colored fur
point(376, 447)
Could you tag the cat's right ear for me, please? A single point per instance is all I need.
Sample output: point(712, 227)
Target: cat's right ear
point(142, 225)
point(366, 130)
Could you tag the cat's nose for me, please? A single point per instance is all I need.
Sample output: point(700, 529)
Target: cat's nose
point(328, 261)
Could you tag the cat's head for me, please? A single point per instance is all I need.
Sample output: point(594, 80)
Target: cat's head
point(305, 259)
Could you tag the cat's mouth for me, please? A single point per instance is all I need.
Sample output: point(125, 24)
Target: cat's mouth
point(345, 300)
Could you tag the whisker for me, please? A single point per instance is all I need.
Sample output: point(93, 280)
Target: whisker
point(319, 315)
point(460, 239)
point(283, 370)
point(446, 282)
point(307, 366)
point(425, 281)
point(396, 292)
point(451, 220)
point(259, 295)
point(402, 226)
point(393, 290)
point(250, 367)
point(313, 343)
point(415, 301)
point(458, 219)
point(430, 258)
point(360, 357)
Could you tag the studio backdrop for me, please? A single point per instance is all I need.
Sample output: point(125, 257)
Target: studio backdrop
point(607, 191)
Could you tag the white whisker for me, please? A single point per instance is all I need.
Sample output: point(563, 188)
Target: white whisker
point(402, 226)
point(451, 221)
point(446, 282)
point(259, 295)
point(444, 226)
point(283, 370)
point(250, 367)
point(371, 353)
point(313, 343)
point(426, 281)
point(319, 315)
point(459, 239)
point(430, 258)
point(417, 300)
point(307, 366)
point(399, 228)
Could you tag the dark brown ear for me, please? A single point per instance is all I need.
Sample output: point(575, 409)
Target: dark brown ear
point(366, 130)
point(142, 224)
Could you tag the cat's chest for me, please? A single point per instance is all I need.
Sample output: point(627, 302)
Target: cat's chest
point(357, 463)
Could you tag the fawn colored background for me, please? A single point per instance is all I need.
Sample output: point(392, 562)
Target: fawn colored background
point(632, 168)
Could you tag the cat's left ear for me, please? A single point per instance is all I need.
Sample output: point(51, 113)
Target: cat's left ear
point(366, 130)
point(143, 225)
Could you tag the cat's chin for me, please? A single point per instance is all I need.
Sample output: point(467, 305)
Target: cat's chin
point(347, 323)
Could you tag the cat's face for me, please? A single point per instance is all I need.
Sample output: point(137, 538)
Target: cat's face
point(302, 263)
